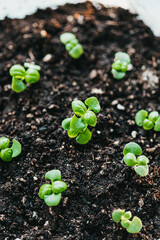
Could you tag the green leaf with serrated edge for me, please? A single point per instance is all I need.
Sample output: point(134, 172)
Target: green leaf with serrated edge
point(127, 215)
point(122, 56)
point(157, 125)
point(77, 124)
point(125, 223)
point(6, 154)
point(140, 117)
point(72, 133)
point(45, 189)
point(17, 71)
point(93, 104)
point(117, 75)
point(117, 214)
point(84, 136)
point(17, 85)
point(142, 160)
point(141, 170)
point(90, 118)
point(66, 123)
point(4, 142)
point(132, 147)
point(66, 37)
point(53, 199)
point(29, 65)
point(16, 148)
point(32, 76)
point(135, 225)
point(59, 186)
point(153, 116)
point(130, 159)
point(78, 107)
point(147, 124)
point(76, 51)
point(53, 175)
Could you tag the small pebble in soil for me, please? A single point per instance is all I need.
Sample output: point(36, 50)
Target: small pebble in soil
point(48, 58)
point(114, 102)
point(93, 74)
point(120, 107)
point(35, 178)
point(134, 134)
point(99, 132)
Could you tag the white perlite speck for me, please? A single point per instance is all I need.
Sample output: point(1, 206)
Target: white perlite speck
point(120, 107)
point(134, 134)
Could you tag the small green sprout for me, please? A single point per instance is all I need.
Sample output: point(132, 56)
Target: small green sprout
point(6, 153)
point(77, 127)
point(133, 226)
point(153, 120)
point(72, 45)
point(51, 193)
point(120, 65)
point(19, 74)
point(140, 164)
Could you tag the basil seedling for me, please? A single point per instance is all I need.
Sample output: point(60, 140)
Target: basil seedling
point(140, 164)
point(120, 65)
point(19, 74)
point(133, 226)
point(78, 127)
point(148, 121)
point(72, 45)
point(51, 193)
point(6, 153)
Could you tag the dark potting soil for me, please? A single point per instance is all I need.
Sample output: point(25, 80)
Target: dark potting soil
point(98, 180)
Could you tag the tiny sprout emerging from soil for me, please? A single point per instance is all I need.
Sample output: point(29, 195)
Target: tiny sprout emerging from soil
point(6, 153)
point(19, 74)
point(120, 65)
point(153, 120)
point(140, 164)
point(51, 193)
point(133, 226)
point(77, 127)
point(72, 45)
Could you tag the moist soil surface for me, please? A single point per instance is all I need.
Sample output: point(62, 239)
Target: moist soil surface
point(98, 180)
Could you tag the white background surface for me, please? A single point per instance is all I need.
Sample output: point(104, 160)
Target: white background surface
point(148, 10)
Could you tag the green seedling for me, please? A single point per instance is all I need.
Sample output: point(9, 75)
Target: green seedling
point(133, 226)
point(19, 75)
point(146, 121)
point(120, 65)
point(6, 153)
point(51, 193)
point(139, 164)
point(78, 127)
point(72, 45)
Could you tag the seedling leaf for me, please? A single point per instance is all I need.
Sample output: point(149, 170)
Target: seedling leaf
point(17, 71)
point(125, 223)
point(45, 189)
point(53, 175)
point(90, 118)
point(32, 76)
point(153, 116)
point(59, 186)
point(147, 124)
point(16, 148)
point(135, 225)
point(118, 75)
point(140, 117)
point(77, 124)
point(18, 85)
point(117, 214)
point(66, 123)
point(67, 37)
point(142, 160)
point(141, 170)
point(79, 108)
point(130, 159)
point(84, 137)
point(122, 56)
point(4, 143)
point(157, 125)
point(6, 154)
point(132, 148)
point(93, 104)
point(76, 51)
point(53, 199)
